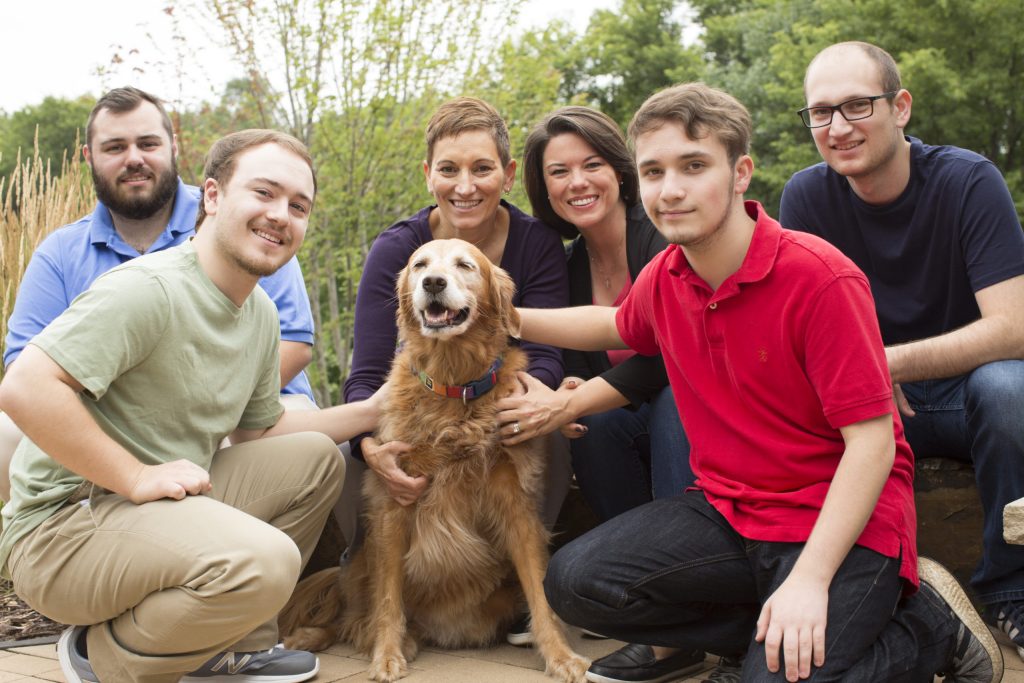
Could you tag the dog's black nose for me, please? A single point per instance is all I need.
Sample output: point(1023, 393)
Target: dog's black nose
point(434, 285)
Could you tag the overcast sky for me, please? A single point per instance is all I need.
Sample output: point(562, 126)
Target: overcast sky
point(62, 48)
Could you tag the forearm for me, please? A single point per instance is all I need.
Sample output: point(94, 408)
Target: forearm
point(851, 499)
point(954, 353)
point(997, 335)
point(341, 423)
point(593, 396)
point(584, 328)
point(295, 356)
point(36, 399)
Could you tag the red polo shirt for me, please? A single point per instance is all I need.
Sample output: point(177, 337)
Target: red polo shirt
point(765, 371)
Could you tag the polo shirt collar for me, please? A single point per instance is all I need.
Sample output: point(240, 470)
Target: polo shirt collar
point(101, 224)
point(759, 261)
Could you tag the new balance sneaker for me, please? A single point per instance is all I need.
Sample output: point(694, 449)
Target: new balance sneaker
point(1008, 617)
point(976, 655)
point(519, 633)
point(73, 655)
point(276, 665)
point(636, 663)
point(727, 671)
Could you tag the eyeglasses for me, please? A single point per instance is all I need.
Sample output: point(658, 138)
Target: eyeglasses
point(852, 110)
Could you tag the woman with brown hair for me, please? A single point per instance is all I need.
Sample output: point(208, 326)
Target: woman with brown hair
point(627, 441)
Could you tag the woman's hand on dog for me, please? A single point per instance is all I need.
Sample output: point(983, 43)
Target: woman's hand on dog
point(382, 458)
point(535, 410)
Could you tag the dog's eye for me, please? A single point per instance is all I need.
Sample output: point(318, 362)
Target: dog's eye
point(419, 264)
point(466, 265)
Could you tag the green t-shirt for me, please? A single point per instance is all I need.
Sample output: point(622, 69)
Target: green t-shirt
point(170, 367)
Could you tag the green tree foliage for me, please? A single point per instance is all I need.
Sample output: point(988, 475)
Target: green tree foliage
point(60, 123)
point(626, 55)
point(357, 81)
point(197, 129)
point(961, 60)
point(524, 82)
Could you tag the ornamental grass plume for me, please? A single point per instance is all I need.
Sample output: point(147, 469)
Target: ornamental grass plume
point(34, 202)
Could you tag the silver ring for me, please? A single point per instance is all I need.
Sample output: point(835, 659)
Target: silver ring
point(516, 428)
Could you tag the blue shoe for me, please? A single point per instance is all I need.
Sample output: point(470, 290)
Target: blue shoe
point(73, 655)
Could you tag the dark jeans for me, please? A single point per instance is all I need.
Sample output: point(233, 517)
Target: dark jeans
point(674, 573)
point(979, 417)
point(628, 457)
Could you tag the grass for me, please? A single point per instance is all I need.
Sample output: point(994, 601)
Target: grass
point(34, 201)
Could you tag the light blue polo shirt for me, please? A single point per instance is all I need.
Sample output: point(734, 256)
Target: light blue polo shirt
point(69, 259)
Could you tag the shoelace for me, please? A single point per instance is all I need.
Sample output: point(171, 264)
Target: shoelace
point(1010, 618)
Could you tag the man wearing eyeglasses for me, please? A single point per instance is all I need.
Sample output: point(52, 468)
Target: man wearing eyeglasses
point(936, 232)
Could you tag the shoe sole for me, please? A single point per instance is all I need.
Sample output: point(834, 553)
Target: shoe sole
point(946, 585)
point(242, 678)
point(591, 635)
point(64, 657)
point(674, 676)
point(520, 639)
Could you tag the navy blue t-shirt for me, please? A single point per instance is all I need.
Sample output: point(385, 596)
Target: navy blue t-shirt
point(953, 231)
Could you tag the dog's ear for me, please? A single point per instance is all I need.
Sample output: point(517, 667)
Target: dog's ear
point(502, 289)
point(404, 297)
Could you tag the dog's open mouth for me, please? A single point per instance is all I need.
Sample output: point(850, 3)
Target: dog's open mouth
point(437, 316)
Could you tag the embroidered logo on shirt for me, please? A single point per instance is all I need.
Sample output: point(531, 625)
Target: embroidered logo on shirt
point(762, 354)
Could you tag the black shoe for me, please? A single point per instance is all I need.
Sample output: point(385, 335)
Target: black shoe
point(636, 663)
point(976, 656)
point(519, 633)
point(728, 670)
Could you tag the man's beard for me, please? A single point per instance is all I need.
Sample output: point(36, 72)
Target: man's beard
point(141, 207)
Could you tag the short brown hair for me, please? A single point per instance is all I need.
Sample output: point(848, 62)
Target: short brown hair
point(220, 162)
point(597, 130)
point(701, 111)
point(468, 113)
point(122, 101)
point(888, 72)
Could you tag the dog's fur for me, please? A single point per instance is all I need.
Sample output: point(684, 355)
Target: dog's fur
point(441, 570)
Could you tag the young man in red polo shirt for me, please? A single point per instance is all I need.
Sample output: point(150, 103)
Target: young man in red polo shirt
point(797, 543)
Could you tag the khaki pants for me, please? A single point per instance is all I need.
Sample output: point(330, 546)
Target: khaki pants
point(169, 584)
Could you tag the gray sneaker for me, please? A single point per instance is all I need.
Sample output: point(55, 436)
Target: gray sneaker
point(976, 655)
point(276, 665)
point(73, 655)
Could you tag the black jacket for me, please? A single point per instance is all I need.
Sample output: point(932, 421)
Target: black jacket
point(640, 378)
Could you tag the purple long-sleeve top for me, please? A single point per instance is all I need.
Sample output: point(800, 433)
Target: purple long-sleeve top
point(533, 256)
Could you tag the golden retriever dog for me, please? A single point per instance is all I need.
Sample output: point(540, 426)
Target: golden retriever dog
point(447, 569)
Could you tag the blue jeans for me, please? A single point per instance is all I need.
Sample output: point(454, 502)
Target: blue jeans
point(674, 573)
point(629, 456)
point(979, 417)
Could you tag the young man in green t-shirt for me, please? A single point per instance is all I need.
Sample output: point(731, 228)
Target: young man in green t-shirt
point(172, 556)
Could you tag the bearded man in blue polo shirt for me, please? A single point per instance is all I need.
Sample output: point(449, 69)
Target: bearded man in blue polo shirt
point(143, 207)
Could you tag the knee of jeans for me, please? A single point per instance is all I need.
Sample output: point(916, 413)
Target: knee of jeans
point(994, 392)
point(559, 585)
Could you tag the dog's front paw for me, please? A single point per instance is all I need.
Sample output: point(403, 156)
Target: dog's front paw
point(571, 668)
point(388, 667)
